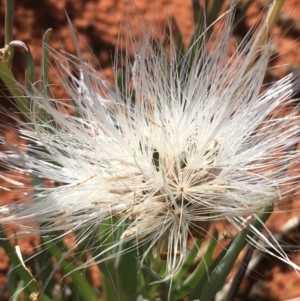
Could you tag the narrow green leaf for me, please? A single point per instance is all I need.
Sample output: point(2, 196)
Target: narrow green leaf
point(44, 89)
point(110, 284)
point(17, 292)
point(150, 287)
point(190, 283)
point(239, 275)
point(14, 259)
point(106, 237)
point(214, 11)
point(14, 88)
point(43, 260)
point(178, 39)
point(188, 261)
point(127, 271)
point(84, 288)
point(219, 274)
point(197, 11)
point(218, 268)
point(12, 281)
point(29, 63)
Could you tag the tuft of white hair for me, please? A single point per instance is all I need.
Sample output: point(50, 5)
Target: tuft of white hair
point(187, 140)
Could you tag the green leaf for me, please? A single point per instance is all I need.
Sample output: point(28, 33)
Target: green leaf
point(14, 89)
point(45, 63)
point(17, 292)
point(14, 259)
point(188, 261)
point(109, 232)
point(85, 290)
point(214, 12)
point(191, 282)
point(220, 273)
point(29, 63)
point(216, 274)
point(128, 270)
point(43, 260)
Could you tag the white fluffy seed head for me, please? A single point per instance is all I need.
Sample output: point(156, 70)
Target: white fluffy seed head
point(183, 143)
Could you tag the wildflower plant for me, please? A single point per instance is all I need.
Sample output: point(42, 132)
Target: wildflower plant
point(142, 168)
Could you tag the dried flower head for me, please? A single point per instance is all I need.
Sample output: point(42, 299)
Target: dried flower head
point(185, 141)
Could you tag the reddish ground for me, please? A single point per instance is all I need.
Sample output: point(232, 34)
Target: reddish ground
point(97, 23)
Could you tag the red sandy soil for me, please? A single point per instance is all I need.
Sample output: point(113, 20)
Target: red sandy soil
point(98, 26)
